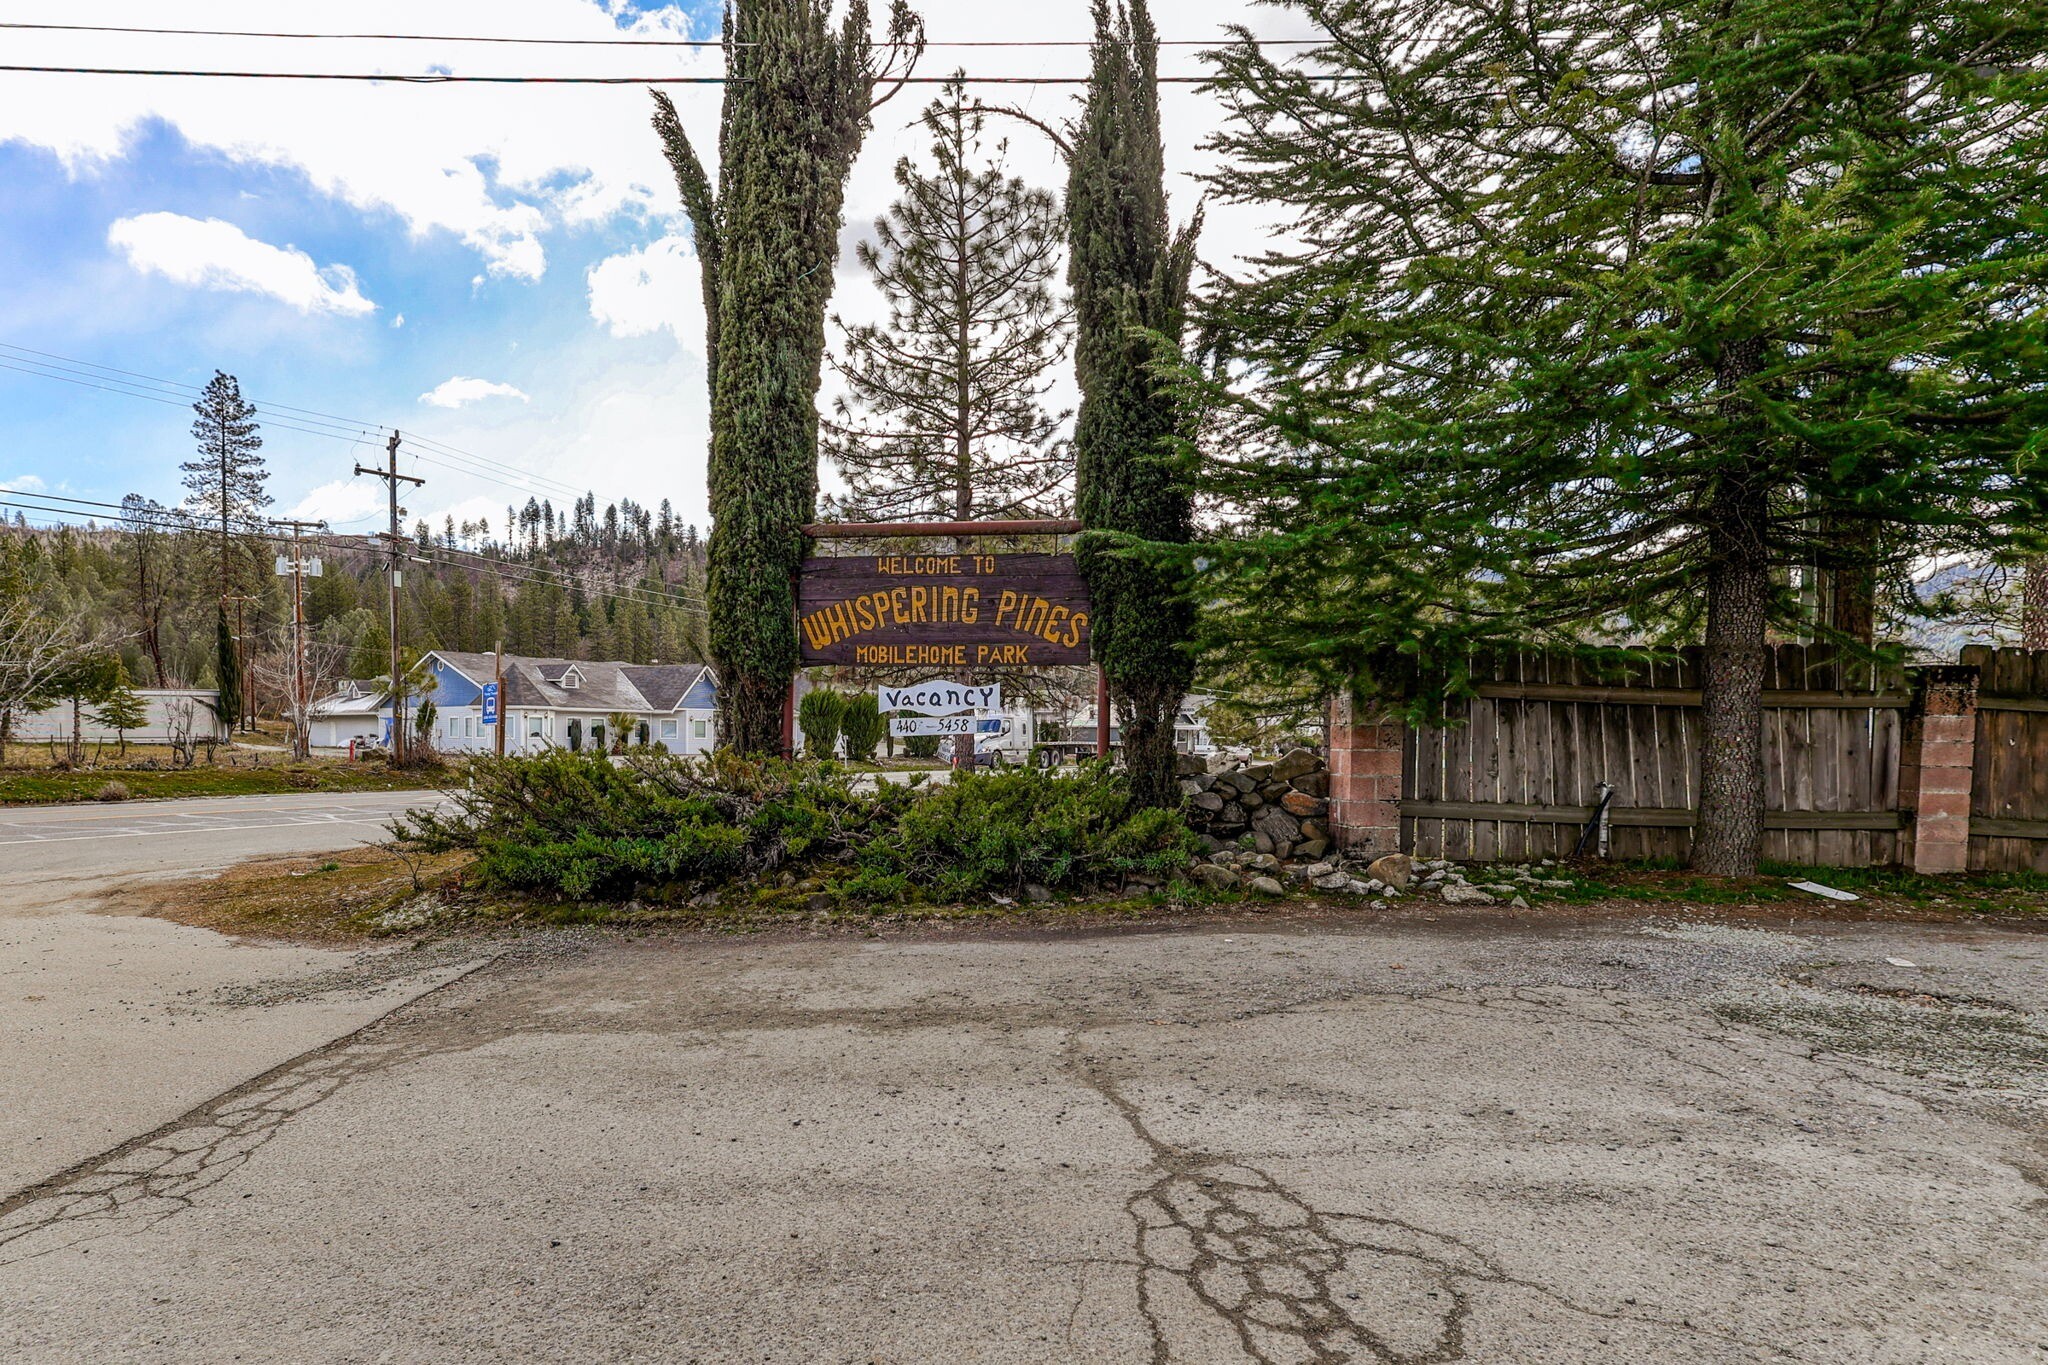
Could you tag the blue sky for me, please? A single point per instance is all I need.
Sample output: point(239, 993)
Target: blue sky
point(353, 249)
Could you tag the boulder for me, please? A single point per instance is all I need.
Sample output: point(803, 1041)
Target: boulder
point(1216, 878)
point(1251, 800)
point(1263, 842)
point(1295, 763)
point(1315, 784)
point(1459, 893)
point(1273, 791)
point(1314, 829)
point(1036, 894)
point(1206, 801)
point(1266, 886)
point(1231, 814)
point(1303, 806)
point(1262, 862)
point(1187, 765)
point(1277, 825)
point(1311, 848)
point(1257, 773)
point(1396, 870)
point(1335, 881)
point(1236, 781)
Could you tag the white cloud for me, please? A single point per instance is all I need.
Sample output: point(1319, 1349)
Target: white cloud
point(26, 483)
point(661, 285)
point(494, 165)
point(345, 504)
point(460, 391)
point(209, 253)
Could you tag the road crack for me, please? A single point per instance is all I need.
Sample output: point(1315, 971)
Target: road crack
point(163, 1172)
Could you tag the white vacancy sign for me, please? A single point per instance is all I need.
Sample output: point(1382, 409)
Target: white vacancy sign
point(941, 698)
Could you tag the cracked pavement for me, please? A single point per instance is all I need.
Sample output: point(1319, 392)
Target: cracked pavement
point(1388, 1139)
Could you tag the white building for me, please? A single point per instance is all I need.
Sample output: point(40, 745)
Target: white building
point(187, 710)
point(545, 704)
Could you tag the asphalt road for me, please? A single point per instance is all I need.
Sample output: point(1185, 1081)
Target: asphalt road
point(52, 855)
point(1394, 1139)
point(111, 1024)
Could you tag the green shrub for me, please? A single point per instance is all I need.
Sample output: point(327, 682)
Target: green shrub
point(862, 727)
point(921, 746)
point(998, 831)
point(663, 828)
point(818, 716)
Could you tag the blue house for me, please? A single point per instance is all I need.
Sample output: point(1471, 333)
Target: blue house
point(544, 704)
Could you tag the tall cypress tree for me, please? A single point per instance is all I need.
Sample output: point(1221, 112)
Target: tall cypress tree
point(1589, 329)
point(797, 101)
point(1129, 272)
point(225, 486)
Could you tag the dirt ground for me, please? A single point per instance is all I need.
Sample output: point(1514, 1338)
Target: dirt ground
point(1582, 1134)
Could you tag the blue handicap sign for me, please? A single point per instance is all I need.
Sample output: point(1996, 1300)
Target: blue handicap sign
point(490, 703)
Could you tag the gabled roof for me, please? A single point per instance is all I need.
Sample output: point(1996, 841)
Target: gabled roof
point(664, 685)
point(604, 685)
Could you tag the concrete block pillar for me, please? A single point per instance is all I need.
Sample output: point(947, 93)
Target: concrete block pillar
point(1365, 780)
point(1936, 763)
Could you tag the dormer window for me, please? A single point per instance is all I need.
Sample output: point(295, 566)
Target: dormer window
point(571, 680)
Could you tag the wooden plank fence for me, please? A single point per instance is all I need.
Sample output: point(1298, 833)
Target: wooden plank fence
point(1518, 777)
point(2009, 787)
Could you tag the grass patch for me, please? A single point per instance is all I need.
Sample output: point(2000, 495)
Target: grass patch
point(1882, 888)
point(328, 898)
point(47, 786)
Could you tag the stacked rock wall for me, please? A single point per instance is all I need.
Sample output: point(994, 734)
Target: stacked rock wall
point(1281, 808)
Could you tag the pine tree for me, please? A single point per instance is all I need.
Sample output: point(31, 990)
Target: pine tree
point(1584, 330)
point(797, 102)
point(1129, 272)
point(943, 415)
point(119, 707)
point(224, 486)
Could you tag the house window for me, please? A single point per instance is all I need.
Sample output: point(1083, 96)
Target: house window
point(575, 736)
point(700, 728)
point(536, 725)
point(669, 729)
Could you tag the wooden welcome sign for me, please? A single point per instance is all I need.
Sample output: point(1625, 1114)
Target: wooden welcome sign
point(943, 610)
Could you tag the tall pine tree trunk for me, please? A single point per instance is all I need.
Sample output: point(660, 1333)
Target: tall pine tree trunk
point(1728, 840)
point(1851, 606)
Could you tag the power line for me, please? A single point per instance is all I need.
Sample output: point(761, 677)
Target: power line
point(351, 428)
point(695, 43)
point(386, 78)
point(313, 423)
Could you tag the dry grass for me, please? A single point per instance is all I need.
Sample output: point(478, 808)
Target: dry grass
point(325, 898)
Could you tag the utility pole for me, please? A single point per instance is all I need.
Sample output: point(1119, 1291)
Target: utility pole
point(245, 661)
point(298, 568)
point(392, 478)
